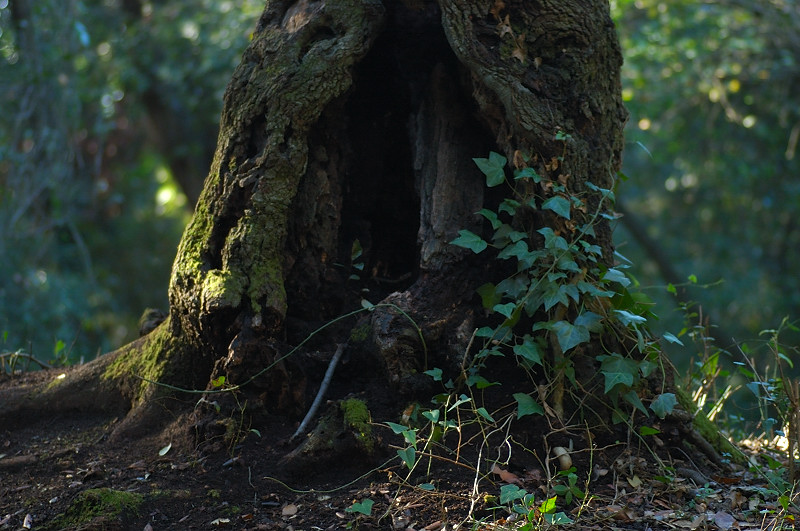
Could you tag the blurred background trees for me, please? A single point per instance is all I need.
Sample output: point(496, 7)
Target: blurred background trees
point(109, 119)
point(108, 124)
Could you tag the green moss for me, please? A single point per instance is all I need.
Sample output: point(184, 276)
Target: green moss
point(147, 359)
point(357, 418)
point(105, 504)
point(222, 289)
point(708, 430)
point(360, 333)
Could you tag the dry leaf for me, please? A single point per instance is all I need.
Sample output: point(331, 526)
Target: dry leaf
point(505, 28)
point(506, 476)
point(519, 52)
point(724, 520)
point(289, 510)
point(635, 482)
point(498, 6)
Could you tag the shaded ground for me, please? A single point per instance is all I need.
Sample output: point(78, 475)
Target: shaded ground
point(49, 465)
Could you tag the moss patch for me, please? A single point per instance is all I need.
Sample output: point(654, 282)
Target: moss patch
point(146, 359)
point(101, 507)
point(357, 419)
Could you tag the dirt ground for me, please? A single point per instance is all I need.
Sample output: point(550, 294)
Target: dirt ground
point(65, 473)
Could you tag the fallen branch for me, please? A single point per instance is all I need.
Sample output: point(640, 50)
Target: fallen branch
point(322, 388)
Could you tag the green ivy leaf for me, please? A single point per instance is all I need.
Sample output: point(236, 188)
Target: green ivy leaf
point(364, 507)
point(397, 428)
point(558, 204)
point(492, 168)
point(618, 371)
point(435, 373)
point(529, 351)
point(511, 492)
point(554, 294)
point(590, 320)
point(663, 404)
point(633, 398)
point(527, 405)
point(491, 216)
point(615, 275)
point(628, 318)
point(644, 431)
point(527, 173)
point(670, 338)
point(569, 335)
point(485, 414)
point(470, 240)
point(408, 455)
point(506, 309)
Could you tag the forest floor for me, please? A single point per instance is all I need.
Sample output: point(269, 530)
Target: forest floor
point(65, 473)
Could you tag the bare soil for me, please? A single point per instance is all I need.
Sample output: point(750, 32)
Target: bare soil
point(240, 480)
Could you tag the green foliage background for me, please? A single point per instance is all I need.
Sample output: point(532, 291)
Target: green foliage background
point(712, 153)
point(91, 209)
point(90, 213)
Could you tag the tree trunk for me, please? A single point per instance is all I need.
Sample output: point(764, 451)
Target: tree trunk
point(343, 170)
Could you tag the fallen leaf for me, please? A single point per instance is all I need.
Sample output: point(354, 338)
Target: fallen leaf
point(164, 450)
point(724, 520)
point(148, 527)
point(635, 482)
point(498, 6)
point(28, 522)
point(221, 521)
point(506, 476)
point(289, 510)
point(505, 28)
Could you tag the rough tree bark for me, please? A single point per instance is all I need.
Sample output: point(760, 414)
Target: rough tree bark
point(356, 121)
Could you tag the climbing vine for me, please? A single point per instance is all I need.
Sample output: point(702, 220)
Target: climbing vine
point(559, 291)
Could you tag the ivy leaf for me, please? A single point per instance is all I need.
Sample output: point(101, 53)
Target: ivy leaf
point(527, 173)
point(558, 204)
point(628, 318)
point(618, 371)
point(615, 275)
point(397, 428)
point(553, 295)
point(408, 455)
point(364, 507)
point(489, 295)
point(590, 320)
point(470, 240)
point(663, 404)
point(569, 335)
point(511, 492)
point(435, 373)
point(632, 398)
point(529, 351)
point(492, 168)
point(485, 414)
point(491, 216)
point(670, 338)
point(505, 310)
point(527, 405)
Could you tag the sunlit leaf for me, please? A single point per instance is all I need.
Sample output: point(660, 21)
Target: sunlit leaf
point(363, 507)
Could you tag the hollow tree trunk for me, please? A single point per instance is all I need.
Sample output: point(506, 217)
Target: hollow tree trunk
point(352, 124)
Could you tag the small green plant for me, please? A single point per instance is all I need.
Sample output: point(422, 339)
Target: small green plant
point(521, 502)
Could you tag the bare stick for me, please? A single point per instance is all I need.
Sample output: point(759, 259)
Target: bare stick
point(322, 388)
